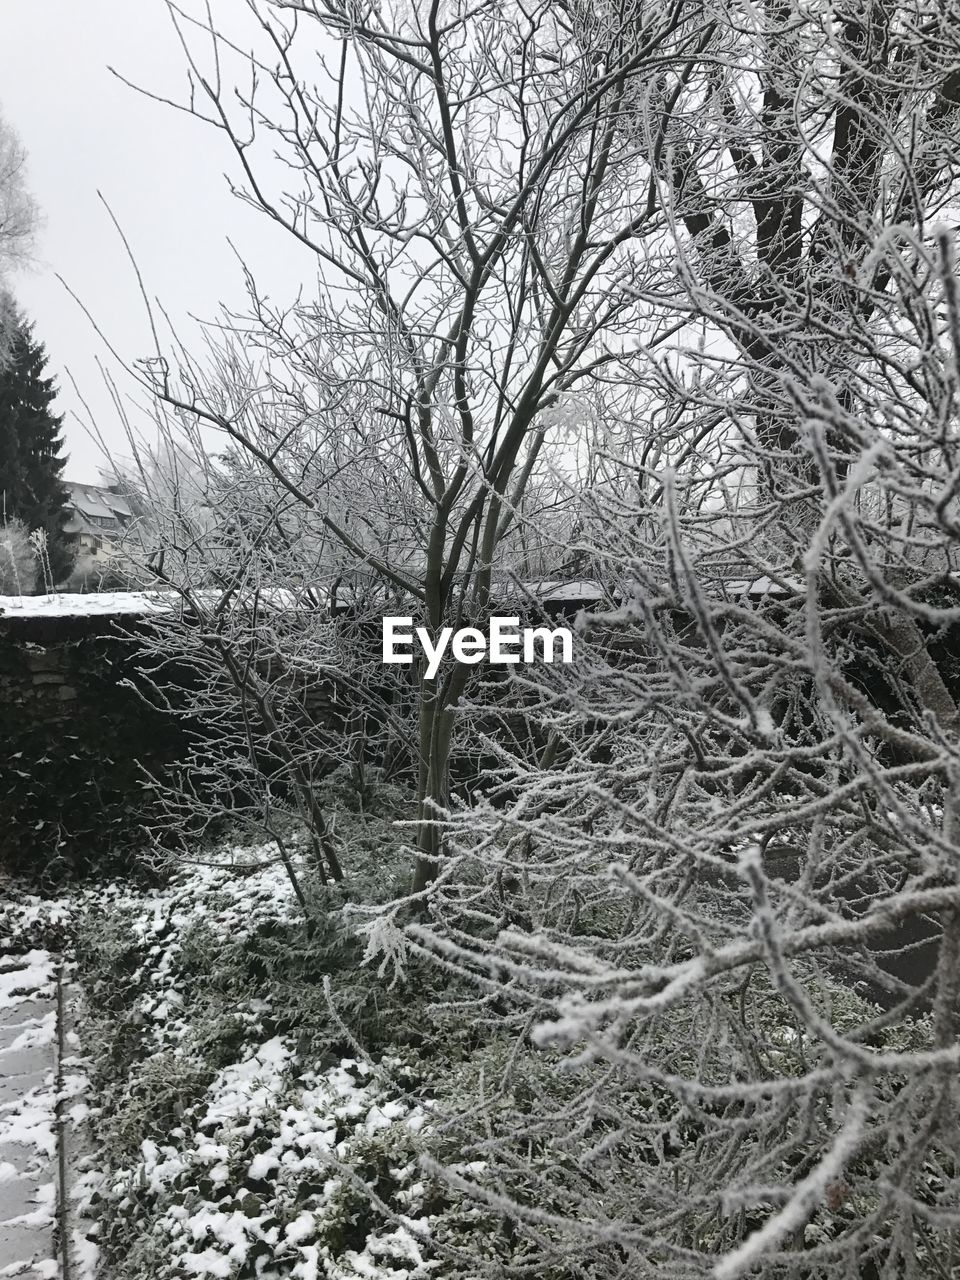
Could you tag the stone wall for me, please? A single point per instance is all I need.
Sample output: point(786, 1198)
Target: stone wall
point(36, 680)
point(74, 739)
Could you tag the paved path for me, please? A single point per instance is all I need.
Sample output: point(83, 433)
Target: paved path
point(28, 1121)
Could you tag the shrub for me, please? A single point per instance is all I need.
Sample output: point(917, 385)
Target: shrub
point(18, 560)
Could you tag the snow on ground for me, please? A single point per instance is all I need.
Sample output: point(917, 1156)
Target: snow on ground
point(281, 1164)
point(23, 976)
point(295, 1120)
point(267, 1122)
point(28, 1120)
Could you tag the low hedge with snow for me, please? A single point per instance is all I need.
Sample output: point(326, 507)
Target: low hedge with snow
point(242, 1131)
point(281, 1170)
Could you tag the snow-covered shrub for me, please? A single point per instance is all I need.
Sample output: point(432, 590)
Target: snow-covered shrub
point(729, 901)
point(89, 574)
point(238, 1132)
point(274, 1164)
point(18, 560)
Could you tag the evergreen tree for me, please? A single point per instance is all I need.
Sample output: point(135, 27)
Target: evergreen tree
point(31, 461)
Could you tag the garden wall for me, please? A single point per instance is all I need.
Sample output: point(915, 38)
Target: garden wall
point(74, 738)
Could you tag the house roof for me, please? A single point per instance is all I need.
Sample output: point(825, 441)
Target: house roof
point(92, 500)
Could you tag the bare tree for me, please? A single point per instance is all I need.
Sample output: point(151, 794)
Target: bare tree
point(18, 210)
point(726, 899)
point(461, 178)
point(19, 217)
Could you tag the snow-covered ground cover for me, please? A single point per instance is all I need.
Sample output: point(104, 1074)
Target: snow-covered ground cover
point(237, 1129)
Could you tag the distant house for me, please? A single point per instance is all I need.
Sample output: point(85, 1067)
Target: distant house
point(96, 521)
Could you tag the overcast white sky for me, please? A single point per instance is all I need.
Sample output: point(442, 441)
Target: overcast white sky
point(161, 172)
